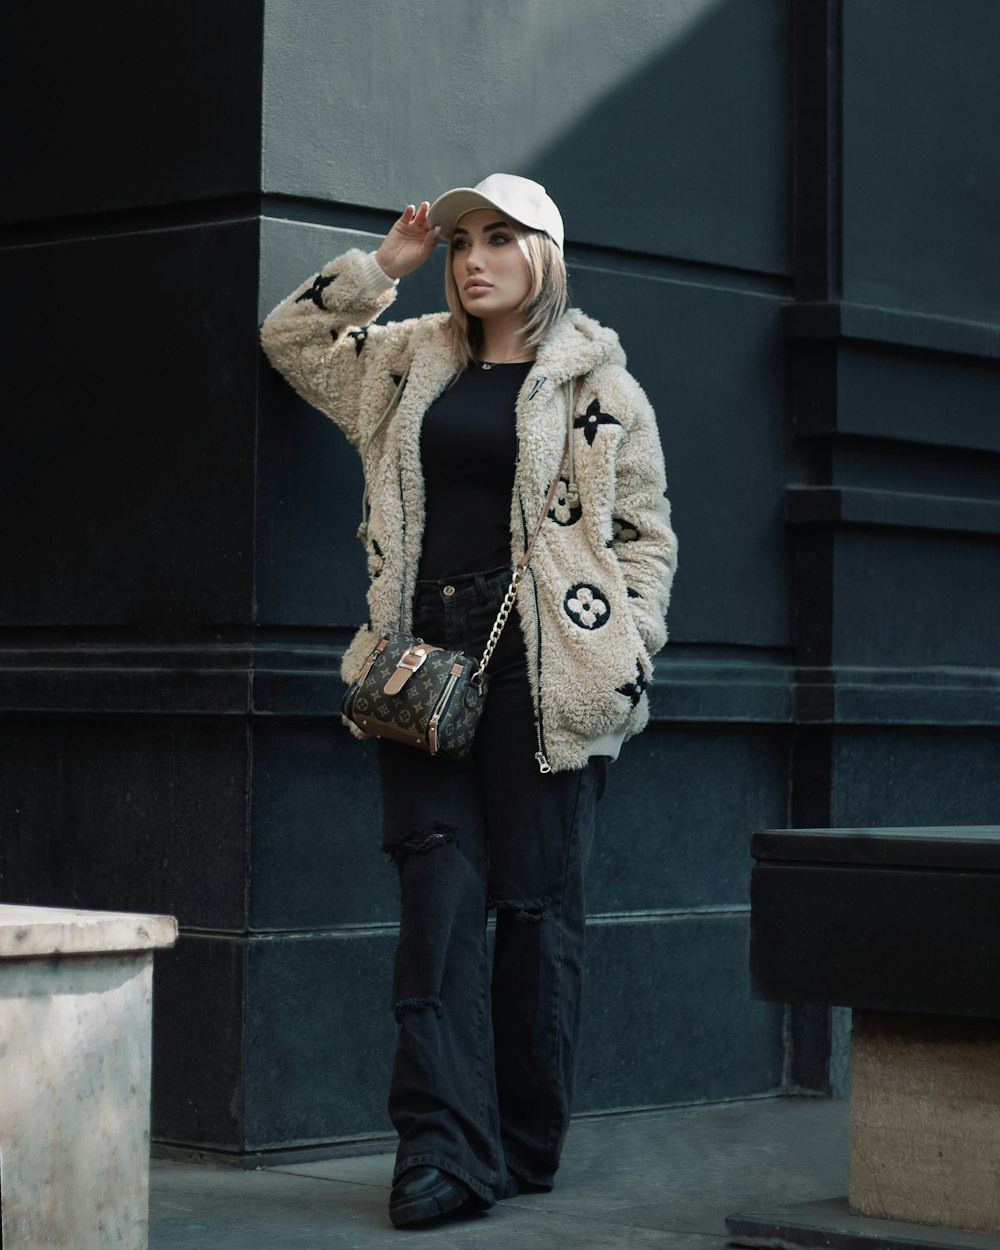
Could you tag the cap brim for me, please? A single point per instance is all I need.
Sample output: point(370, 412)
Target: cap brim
point(448, 208)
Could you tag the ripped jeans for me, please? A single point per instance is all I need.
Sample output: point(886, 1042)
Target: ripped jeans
point(482, 1079)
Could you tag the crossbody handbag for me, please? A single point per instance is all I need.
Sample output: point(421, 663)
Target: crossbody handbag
point(429, 697)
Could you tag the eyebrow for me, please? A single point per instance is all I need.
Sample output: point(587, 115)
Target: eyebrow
point(492, 226)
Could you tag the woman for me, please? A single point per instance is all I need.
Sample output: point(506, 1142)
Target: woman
point(458, 475)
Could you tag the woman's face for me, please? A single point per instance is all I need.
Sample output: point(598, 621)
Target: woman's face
point(488, 266)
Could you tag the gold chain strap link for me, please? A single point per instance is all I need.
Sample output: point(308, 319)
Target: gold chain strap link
point(506, 607)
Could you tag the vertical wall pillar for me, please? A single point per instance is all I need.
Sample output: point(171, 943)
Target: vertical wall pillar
point(129, 246)
point(892, 355)
point(815, 31)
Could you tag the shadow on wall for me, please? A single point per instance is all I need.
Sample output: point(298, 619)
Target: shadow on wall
point(690, 157)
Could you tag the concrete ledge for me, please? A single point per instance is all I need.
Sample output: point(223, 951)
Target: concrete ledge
point(830, 1225)
point(900, 920)
point(39, 932)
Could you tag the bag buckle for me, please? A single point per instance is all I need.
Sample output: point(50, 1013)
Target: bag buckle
point(406, 666)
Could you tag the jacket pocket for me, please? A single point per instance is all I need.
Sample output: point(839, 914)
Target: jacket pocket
point(595, 666)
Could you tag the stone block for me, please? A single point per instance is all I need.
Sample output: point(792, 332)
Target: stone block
point(75, 1016)
point(925, 1120)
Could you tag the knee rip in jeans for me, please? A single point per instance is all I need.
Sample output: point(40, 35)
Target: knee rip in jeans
point(418, 841)
point(404, 1005)
point(529, 911)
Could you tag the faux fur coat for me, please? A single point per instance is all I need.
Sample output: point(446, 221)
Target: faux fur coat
point(592, 606)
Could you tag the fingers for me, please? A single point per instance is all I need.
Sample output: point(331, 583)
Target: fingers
point(412, 215)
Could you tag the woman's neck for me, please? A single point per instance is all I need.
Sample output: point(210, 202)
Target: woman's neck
point(503, 341)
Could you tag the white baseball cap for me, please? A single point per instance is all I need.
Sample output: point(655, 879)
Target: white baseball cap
point(520, 198)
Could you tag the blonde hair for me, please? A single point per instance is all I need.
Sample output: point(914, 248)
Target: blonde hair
point(544, 304)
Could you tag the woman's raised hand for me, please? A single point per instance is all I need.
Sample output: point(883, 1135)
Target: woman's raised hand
point(408, 244)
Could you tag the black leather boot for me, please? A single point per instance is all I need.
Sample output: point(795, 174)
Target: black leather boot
point(424, 1193)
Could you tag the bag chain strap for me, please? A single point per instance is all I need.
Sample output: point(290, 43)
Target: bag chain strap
point(505, 610)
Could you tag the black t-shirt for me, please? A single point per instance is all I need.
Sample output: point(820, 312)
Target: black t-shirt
point(468, 446)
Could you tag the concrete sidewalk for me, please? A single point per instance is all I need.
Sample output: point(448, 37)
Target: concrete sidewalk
point(666, 1178)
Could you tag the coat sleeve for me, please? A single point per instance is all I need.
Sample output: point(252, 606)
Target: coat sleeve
point(318, 337)
point(643, 539)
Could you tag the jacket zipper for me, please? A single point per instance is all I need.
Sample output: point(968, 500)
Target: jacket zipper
point(543, 764)
point(540, 758)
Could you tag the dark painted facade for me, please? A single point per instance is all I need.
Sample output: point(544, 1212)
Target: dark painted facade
point(788, 212)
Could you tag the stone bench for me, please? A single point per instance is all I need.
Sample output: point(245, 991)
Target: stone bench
point(902, 926)
point(75, 1032)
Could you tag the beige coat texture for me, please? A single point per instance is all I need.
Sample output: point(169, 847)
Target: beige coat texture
point(592, 607)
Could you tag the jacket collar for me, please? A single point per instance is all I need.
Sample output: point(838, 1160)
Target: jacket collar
point(575, 345)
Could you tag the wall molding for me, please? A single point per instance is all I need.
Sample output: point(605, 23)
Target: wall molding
point(853, 505)
point(290, 683)
point(911, 697)
point(846, 322)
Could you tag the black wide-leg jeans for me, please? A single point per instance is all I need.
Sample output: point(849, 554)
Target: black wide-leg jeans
point(482, 1079)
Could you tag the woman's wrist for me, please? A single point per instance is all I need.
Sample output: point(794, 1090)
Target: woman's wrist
point(387, 267)
point(375, 274)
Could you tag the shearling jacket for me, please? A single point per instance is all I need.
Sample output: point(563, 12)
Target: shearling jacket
point(592, 606)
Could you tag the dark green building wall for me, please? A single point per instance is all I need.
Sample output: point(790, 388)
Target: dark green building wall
point(785, 209)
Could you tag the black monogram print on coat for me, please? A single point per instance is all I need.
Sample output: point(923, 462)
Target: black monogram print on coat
point(360, 338)
point(564, 512)
point(632, 690)
point(376, 560)
point(315, 292)
point(591, 421)
point(624, 531)
point(587, 606)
